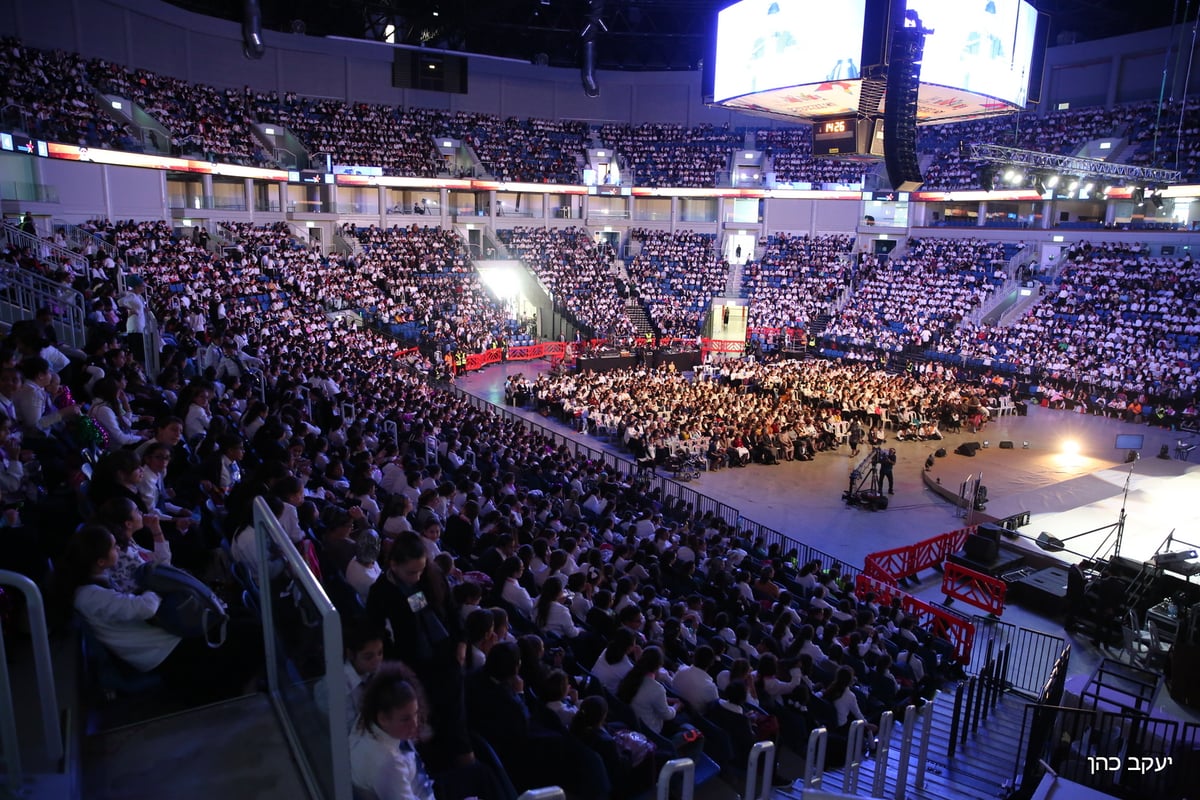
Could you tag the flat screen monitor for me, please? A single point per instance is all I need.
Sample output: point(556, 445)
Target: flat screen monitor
point(980, 46)
point(1130, 441)
point(771, 44)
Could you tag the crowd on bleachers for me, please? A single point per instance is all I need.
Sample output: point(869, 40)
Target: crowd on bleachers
point(673, 155)
point(796, 279)
point(204, 120)
point(916, 299)
point(56, 91)
point(1116, 319)
point(398, 140)
point(578, 273)
point(476, 516)
point(424, 275)
point(1060, 132)
point(677, 274)
point(52, 88)
point(789, 151)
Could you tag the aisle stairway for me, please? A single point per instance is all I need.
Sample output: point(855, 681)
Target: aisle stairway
point(818, 325)
point(639, 318)
point(733, 282)
point(981, 768)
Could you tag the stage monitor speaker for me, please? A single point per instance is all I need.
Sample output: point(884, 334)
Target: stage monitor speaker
point(967, 449)
point(1006, 445)
point(982, 549)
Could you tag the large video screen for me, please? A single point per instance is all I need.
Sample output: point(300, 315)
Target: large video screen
point(772, 44)
point(980, 46)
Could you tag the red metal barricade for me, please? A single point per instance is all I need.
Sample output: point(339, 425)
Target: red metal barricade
point(981, 591)
point(943, 623)
point(720, 346)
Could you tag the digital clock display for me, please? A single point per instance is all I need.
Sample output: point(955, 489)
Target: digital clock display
point(834, 128)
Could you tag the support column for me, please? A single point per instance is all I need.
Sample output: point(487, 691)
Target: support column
point(206, 186)
point(982, 212)
point(1047, 213)
point(248, 193)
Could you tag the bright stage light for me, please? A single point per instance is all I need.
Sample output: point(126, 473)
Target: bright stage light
point(504, 282)
point(1070, 447)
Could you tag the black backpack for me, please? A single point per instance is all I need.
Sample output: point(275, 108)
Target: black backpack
point(189, 608)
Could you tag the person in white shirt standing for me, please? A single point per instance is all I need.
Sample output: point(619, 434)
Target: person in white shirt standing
point(134, 304)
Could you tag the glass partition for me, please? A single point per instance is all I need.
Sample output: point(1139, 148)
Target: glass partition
point(303, 638)
point(520, 204)
point(698, 209)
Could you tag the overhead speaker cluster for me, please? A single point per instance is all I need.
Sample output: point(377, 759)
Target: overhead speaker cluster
point(900, 111)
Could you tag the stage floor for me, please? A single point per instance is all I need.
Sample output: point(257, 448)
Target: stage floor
point(1066, 494)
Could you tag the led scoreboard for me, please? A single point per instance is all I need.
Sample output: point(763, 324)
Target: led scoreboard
point(836, 137)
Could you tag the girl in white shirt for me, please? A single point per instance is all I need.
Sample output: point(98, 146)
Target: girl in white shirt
point(512, 591)
point(645, 695)
point(552, 616)
point(383, 762)
point(123, 518)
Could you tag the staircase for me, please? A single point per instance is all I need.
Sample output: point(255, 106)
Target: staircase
point(818, 325)
point(82, 239)
point(45, 249)
point(980, 769)
point(637, 315)
point(1142, 586)
point(733, 282)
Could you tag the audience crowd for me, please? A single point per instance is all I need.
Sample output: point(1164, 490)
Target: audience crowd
point(393, 488)
point(578, 273)
point(1116, 319)
point(759, 412)
point(797, 279)
point(54, 91)
point(672, 155)
point(677, 274)
point(915, 299)
point(789, 151)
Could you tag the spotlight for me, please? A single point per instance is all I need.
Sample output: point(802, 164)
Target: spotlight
point(1070, 447)
point(1052, 181)
point(1024, 445)
point(1072, 186)
point(986, 444)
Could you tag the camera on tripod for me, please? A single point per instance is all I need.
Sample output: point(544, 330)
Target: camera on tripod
point(865, 488)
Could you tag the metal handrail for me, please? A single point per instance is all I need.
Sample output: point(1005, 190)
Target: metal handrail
point(83, 237)
point(814, 759)
point(47, 696)
point(19, 238)
point(28, 292)
point(544, 793)
point(271, 538)
point(762, 758)
point(686, 769)
point(152, 339)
